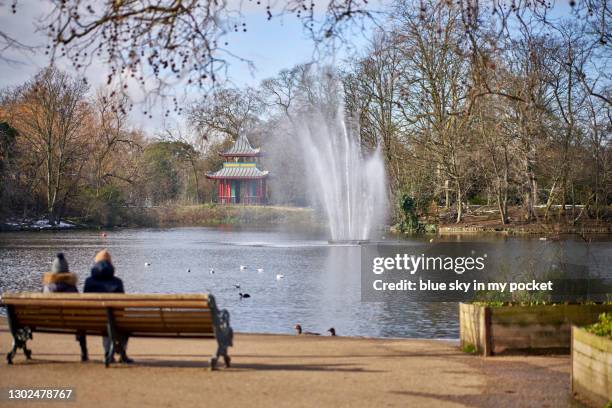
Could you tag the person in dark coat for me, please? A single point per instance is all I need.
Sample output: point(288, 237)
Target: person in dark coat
point(61, 280)
point(103, 280)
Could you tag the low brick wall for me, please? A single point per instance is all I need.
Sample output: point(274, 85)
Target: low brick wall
point(523, 329)
point(591, 368)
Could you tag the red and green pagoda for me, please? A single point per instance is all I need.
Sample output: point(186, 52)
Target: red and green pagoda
point(240, 181)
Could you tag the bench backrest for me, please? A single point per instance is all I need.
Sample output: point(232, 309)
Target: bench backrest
point(136, 315)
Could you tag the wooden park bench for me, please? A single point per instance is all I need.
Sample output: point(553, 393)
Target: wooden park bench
point(115, 315)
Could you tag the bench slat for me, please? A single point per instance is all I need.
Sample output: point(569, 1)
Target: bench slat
point(173, 329)
point(181, 335)
point(148, 315)
point(109, 303)
point(201, 327)
point(169, 312)
point(70, 329)
point(26, 313)
point(165, 322)
point(104, 296)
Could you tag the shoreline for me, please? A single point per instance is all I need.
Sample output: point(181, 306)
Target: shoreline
point(177, 216)
point(444, 230)
point(525, 230)
point(298, 218)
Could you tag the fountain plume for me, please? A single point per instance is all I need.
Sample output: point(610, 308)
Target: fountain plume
point(350, 184)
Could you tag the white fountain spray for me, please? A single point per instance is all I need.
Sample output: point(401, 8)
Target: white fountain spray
point(350, 186)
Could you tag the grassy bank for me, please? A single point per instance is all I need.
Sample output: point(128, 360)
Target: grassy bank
point(213, 215)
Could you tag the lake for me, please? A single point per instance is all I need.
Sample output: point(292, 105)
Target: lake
point(320, 288)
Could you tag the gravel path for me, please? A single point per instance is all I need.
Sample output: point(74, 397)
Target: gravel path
point(289, 371)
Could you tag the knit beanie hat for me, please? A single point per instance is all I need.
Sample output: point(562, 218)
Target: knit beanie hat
point(59, 264)
point(103, 255)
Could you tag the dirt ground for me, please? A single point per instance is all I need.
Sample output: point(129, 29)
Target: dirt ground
point(288, 371)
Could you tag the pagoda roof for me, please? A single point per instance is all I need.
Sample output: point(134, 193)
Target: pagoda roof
point(238, 171)
point(241, 147)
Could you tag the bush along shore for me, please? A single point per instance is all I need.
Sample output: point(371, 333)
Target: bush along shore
point(485, 219)
point(180, 216)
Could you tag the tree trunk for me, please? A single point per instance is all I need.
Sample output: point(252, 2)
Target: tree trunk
point(531, 193)
point(447, 195)
point(551, 199)
point(459, 201)
point(502, 201)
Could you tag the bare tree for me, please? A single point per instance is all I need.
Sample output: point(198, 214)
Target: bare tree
point(373, 95)
point(227, 112)
point(176, 41)
point(48, 114)
point(110, 133)
point(434, 91)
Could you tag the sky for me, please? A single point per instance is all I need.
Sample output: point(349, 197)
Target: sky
point(270, 45)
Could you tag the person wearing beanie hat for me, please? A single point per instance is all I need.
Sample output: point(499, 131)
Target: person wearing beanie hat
point(103, 255)
point(61, 280)
point(103, 280)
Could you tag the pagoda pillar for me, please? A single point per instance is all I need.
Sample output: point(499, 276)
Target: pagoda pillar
point(263, 190)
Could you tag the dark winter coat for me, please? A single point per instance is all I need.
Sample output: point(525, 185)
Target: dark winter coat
point(60, 282)
point(103, 280)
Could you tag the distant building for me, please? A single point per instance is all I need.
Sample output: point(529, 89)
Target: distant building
point(240, 181)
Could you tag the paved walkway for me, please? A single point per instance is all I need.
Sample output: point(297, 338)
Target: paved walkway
point(290, 371)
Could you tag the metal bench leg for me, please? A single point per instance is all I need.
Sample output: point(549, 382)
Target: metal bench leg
point(21, 335)
point(221, 352)
point(19, 342)
point(27, 352)
point(224, 335)
point(11, 354)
